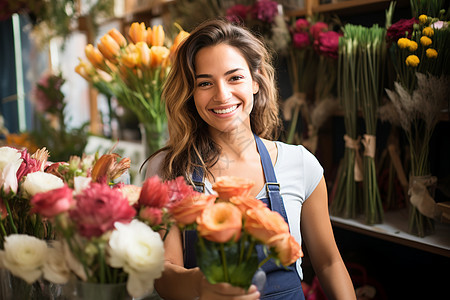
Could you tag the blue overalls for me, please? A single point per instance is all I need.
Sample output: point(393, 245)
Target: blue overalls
point(282, 283)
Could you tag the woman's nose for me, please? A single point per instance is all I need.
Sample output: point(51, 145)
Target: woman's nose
point(223, 93)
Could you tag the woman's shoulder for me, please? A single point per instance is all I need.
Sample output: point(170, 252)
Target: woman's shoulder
point(154, 164)
point(291, 153)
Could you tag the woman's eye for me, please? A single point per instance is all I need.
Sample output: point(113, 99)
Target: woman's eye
point(203, 84)
point(236, 78)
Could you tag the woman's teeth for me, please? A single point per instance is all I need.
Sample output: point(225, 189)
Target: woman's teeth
point(225, 111)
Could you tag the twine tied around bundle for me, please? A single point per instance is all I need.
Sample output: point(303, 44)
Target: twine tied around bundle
point(354, 144)
point(294, 102)
point(369, 142)
point(420, 197)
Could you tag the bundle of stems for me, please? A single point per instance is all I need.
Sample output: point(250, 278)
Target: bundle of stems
point(372, 56)
point(344, 203)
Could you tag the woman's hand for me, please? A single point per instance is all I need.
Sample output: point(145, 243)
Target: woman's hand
point(226, 291)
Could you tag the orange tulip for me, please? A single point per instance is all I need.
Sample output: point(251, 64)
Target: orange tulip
point(85, 69)
point(182, 35)
point(131, 56)
point(138, 32)
point(144, 54)
point(158, 35)
point(108, 47)
point(220, 223)
point(159, 55)
point(94, 55)
point(118, 37)
point(149, 36)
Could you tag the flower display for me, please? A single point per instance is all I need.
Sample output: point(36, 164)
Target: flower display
point(229, 225)
point(133, 71)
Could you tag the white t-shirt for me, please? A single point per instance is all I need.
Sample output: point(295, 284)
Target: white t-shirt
point(298, 172)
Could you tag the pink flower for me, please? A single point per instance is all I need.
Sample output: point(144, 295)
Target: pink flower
point(98, 207)
point(29, 165)
point(154, 193)
point(152, 215)
point(301, 40)
point(400, 29)
point(237, 13)
point(53, 202)
point(178, 190)
point(317, 28)
point(264, 10)
point(47, 93)
point(301, 25)
point(328, 44)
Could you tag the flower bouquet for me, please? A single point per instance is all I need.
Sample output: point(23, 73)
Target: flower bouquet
point(230, 227)
point(134, 71)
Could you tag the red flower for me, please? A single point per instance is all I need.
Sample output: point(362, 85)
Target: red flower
point(178, 190)
point(98, 207)
point(53, 202)
point(152, 215)
point(29, 165)
point(301, 40)
point(264, 10)
point(301, 25)
point(400, 29)
point(237, 13)
point(317, 28)
point(154, 193)
point(328, 44)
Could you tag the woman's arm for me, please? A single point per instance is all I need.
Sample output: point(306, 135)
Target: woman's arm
point(324, 254)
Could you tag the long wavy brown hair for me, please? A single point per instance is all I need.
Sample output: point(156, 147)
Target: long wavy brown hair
point(190, 145)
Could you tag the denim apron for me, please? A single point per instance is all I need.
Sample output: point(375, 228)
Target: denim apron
point(283, 283)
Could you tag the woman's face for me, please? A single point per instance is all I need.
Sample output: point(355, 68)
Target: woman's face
point(224, 89)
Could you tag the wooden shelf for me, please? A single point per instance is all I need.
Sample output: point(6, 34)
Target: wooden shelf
point(395, 229)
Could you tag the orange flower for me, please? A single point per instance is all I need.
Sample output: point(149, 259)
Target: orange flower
point(158, 36)
point(131, 192)
point(187, 210)
point(287, 248)
point(220, 223)
point(94, 55)
point(245, 203)
point(131, 56)
point(144, 54)
point(108, 47)
point(159, 55)
point(138, 32)
point(85, 69)
point(118, 37)
point(182, 35)
point(229, 186)
point(108, 167)
point(263, 224)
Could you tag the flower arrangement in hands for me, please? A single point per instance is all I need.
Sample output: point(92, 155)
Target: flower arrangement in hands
point(229, 227)
point(133, 71)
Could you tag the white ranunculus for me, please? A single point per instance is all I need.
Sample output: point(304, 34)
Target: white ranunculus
point(55, 267)
point(24, 256)
point(40, 182)
point(139, 250)
point(10, 161)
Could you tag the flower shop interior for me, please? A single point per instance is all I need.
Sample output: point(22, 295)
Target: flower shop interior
point(364, 85)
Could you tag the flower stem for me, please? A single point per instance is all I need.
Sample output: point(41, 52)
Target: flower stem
point(8, 209)
point(224, 263)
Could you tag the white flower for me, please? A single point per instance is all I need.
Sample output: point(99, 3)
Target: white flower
point(55, 267)
point(10, 161)
point(139, 250)
point(24, 256)
point(80, 183)
point(40, 182)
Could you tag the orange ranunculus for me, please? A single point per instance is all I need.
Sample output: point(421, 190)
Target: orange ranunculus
point(131, 56)
point(107, 167)
point(118, 37)
point(159, 55)
point(144, 54)
point(262, 223)
point(94, 55)
point(245, 203)
point(229, 186)
point(138, 32)
point(220, 223)
point(85, 69)
point(108, 47)
point(187, 210)
point(158, 36)
point(287, 248)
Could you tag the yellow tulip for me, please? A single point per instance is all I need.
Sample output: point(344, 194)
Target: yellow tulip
point(159, 55)
point(412, 61)
point(118, 37)
point(403, 43)
point(94, 55)
point(144, 54)
point(131, 56)
point(85, 69)
point(425, 41)
point(138, 32)
point(412, 46)
point(423, 19)
point(428, 31)
point(108, 47)
point(431, 53)
point(149, 36)
point(158, 36)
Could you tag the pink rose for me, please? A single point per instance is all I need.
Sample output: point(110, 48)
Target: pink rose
point(151, 215)
point(53, 202)
point(237, 13)
point(154, 193)
point(301, 25)
point(317, 28)
point(301, 40)
point(264, 10)
point(98, 207)
point(178, 190)
point(328, 44)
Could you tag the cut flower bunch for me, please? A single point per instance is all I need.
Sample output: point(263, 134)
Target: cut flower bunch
point(230, 226)
point(133, 70)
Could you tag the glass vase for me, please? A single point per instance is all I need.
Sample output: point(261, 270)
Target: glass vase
point(154, 135)
point(100, 291)
point(420, 224)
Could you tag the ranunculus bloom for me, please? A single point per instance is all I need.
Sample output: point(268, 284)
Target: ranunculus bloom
point(10, 161)
point(262, 223)
point(402, 28)
point(187, 210)
point(55, 268)
point(301, 40)
point(178, 190)
point(301, 24)
point(245, 203)
point(24, 256)
point(131, 192)
point(139, 250)
point(317, 28)
point(287, 248)
point(40, 182)
point(98, 207)
point(52, 203)
point(154, 193)
point(237, 13)
point(328, 43)
point(230, 186)
point(264, 10)
point(152, 215)
point(220, 222)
